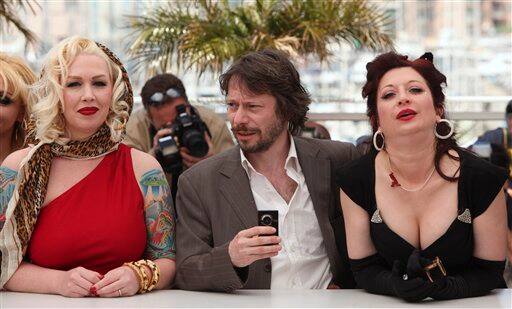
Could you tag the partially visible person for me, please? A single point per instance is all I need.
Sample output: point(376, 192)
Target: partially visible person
point(88, 216)
point(423, 217)
point(496, 145)
point(364, 144)
point(220, 246)
point(313, 129)
point(15, 79)
point(161, 96)
point(500, 136)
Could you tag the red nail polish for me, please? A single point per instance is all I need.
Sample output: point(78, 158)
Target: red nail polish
point(93, 290)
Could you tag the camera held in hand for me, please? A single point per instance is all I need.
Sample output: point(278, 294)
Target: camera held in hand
point(187, 131)
point(269, 218)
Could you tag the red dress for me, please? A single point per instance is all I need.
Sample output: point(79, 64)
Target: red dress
point(98, 223)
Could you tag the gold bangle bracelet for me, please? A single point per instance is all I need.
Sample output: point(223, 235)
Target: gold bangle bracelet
point(139, 275)
point(140, 265)
point(155, 274)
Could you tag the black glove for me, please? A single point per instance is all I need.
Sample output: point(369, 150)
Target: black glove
point(411, 289)
point(478, 278)
point(372, 274)
point(416, 264)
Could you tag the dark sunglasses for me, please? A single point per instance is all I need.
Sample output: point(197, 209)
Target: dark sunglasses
point(158, 97)
point(5, 99)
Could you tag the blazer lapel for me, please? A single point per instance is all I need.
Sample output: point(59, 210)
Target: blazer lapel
point(317, 172)
point(234, 185)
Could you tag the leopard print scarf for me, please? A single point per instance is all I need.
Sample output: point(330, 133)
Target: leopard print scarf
point(30, 192)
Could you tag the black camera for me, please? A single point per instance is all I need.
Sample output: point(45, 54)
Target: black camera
point(269, 218)
point(187, 131)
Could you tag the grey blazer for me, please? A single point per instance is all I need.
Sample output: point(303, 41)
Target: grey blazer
point(215, 202)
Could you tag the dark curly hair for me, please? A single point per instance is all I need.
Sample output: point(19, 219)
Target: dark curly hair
point(435, 81)
point(271, 72)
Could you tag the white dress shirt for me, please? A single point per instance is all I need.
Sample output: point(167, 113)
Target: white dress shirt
point(302, 262)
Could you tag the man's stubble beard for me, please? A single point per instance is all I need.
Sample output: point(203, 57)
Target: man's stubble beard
point(266, 139)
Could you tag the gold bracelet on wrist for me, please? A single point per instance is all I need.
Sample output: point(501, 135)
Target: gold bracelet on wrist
point(155, 271)
point(139, 275)
point(145, 280)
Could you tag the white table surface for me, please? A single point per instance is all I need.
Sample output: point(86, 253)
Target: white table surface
point(248, 298)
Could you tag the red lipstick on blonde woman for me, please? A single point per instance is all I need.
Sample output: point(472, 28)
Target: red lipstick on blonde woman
point(88, 111)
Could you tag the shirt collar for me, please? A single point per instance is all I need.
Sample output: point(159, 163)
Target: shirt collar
point(292, 161)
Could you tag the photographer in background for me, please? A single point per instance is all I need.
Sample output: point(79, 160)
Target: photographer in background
point(160, 130)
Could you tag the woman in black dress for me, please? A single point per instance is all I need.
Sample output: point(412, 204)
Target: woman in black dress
point(423, 217)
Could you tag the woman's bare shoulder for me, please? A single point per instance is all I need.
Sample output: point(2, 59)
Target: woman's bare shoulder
point(144, 163)
point(14, 160)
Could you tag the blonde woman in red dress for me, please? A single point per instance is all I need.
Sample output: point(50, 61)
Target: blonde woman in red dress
point(89, 216)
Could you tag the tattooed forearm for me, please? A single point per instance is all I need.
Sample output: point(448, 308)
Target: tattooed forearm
point(7, 184)
point(159, 213)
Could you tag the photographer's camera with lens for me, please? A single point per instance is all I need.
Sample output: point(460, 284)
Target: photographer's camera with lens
point(269, 218)
point(187, 131)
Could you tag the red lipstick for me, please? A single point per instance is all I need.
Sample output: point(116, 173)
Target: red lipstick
point(87, 111)
point(406, 114)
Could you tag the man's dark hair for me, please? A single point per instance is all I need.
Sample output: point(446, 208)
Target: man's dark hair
point(161, 83)
point(271, 72)
point(508, 109)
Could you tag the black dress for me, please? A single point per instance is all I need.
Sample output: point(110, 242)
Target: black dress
point(479, 183)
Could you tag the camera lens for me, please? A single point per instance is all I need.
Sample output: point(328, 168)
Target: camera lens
point(266, 220)
point(194, 141)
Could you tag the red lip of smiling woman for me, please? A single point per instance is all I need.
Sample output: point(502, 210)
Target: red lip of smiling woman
point(406, 114)
point(87, 111)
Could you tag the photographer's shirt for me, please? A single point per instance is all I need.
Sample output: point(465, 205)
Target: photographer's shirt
point(302, 262)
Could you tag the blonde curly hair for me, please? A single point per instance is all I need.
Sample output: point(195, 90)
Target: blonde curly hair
point(16, 76)
point(47, 102)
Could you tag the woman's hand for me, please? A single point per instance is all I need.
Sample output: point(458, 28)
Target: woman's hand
point(121, 281)
point(77, 282)
point(411, 290)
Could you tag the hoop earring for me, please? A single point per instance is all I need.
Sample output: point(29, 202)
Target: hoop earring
point(379, 132)
point(449, 124)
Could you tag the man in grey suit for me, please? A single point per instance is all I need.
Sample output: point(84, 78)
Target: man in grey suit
point(220, 246)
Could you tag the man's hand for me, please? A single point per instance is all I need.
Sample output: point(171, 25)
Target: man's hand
point(159, 134)
point(189, 160)
point(248, 246)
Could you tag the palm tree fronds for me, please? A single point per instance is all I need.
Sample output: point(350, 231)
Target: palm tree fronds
point(208, 34)
point(9, 16)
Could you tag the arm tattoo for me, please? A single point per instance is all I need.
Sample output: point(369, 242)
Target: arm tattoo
point(7, 184)
point(159, 212)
